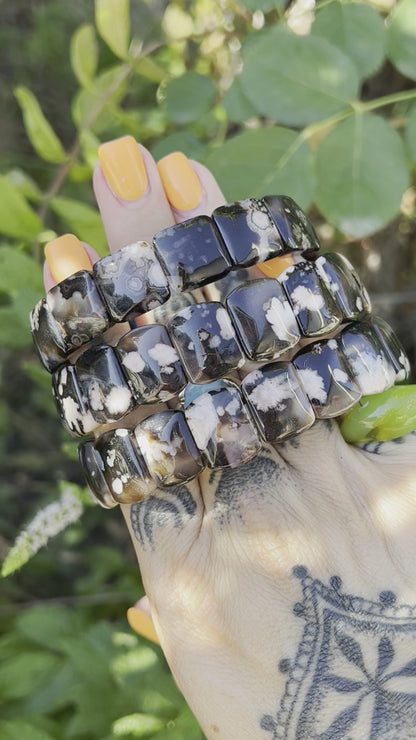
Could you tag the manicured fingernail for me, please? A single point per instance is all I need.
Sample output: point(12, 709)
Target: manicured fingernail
point(273, 268)
point(180, 182)
point(142, 624)
point(123, 168)
point(65, 256)
point(383, 417)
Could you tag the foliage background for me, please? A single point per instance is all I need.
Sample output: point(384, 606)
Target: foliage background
point(318, 102)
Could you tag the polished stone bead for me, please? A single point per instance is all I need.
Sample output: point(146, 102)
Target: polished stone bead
point(312, 303)
point(47, 337)
point(124, 468)
point(72, 408)
point(220, 424)
point(192, 253)
point(78, 310)
point(326, 378)
point(372, 368)
point(344, 284)
point(248, 231)
point(103, 385)
point(206, 341)
point(93, 468)
point(295, 228)
point(263, 318)
point(278, 401)
point(131, 281)
point(393, 347)
point(151, 364)
point(168, 448)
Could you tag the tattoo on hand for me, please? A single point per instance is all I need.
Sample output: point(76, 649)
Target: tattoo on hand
point(155, 512)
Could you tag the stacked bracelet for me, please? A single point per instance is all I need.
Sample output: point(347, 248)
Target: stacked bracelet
point(222, 425)
point(262, 320)
point(138, 278)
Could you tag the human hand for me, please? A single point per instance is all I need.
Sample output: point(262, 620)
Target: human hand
point(282, 591)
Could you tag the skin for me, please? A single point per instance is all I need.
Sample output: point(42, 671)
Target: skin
point(248, 572)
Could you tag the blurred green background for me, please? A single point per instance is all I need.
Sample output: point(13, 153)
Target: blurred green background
point(314, 100)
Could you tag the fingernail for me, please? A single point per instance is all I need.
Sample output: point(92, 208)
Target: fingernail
point(180, 182)
point(142, 624)
point(273, 268)
point(383, 417)
point(65, 256)
point(123, 168)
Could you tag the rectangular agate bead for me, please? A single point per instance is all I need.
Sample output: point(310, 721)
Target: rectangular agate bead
point(93, 468)
point(131, 281)
point(103, 385)
point(373, 369)
point(344, 285)
point(264, 320)
point(312, 303)
point(125, 471)
point(167, 445)
point(248, 232)
point(47, 337)
point(220, 424)
point(278, 401)
point(296, 230)
point(70, 402)
point(393, 347)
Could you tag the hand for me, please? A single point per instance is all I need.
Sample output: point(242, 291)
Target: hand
point(282, 591)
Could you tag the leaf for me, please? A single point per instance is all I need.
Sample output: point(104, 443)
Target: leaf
point(362, 174)
point(296, 80)
point(14, 319)
point(409, 669)
point(47, 625)
point(25, 184)
point(84, 54)
point(42, 137)
point(137, 725)
point(237, 105)
point(17, 219)
point(357, 30)
point(112, 18)
point(385, 654)
point(342, 684)
point(83, 220)
point(21, 674)
point(343, 722)
point(17, 729)
point(92, 109)
point(402, 38)
point(351, 649)
point(189, 97)
point(180, 141)
point(411, 133)
point(258, 162)
point(18, 271)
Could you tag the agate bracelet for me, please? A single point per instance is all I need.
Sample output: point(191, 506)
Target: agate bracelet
point(221, 424)
point(189, 255)
point(261, 320)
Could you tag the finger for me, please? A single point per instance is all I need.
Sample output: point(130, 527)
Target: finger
point(65, 256)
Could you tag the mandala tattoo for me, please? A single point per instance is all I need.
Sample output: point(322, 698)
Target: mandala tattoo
point(354, 674)
point(155, 512)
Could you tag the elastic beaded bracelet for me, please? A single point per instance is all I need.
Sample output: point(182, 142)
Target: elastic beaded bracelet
point(262, 320)
point(138, 277)
point(223, 425)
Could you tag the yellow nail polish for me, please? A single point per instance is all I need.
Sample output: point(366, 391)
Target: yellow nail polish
point(180, 182)
point(273, 268)
point(142, 624)
point(123, 167)
point(65, 256)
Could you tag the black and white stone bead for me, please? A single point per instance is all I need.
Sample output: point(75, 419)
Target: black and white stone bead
point(327, 379)
point(393, 347)
point(131, 281)
point(206, 341)
point(367, 357)
point(344, 285)
point(71, 403)
point(93, 469)
point(47, 337)
point(248, 231)
point(295, 228)
point(102, 384)
point(313, 305)
point(220, 424)
point(125, 471)
point(168, 448)
point(263, 318)
point(278, 401)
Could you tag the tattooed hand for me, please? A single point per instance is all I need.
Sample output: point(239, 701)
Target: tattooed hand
point(282, 591)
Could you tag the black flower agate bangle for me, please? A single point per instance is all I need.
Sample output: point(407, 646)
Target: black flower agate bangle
point(222, 424)
point(138, 277)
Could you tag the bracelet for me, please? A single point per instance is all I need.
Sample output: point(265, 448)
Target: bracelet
point(224, 425)
point(189, 255)
point(262, 320)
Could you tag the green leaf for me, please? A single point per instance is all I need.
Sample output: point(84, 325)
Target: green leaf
point(18, 271)
point(180, 141)
point(48, 625)
point(16, 216)
point(42, 137)
point(84, 54)
point(237, 105)
point(260, 162)
point(362, 174)
point(25, 184)
point(297, 80)
point(14, 319)
point(92, 109)
point(83, 220)
point(112, 18)
point(402, 38)
point(357, 30)
point(137, 725)
point(17, 729)
point(24, 672)
point(411, 133)
point(189, 97)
